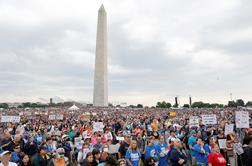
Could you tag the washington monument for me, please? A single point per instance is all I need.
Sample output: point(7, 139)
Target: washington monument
point(100, 96)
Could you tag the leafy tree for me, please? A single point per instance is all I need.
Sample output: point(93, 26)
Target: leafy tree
point(240, 102)
point(232, 104)
point(249, 104)
point(186, 105)
point(163, 104)
point(139, 106)
point(198, 104)
point(4, 105)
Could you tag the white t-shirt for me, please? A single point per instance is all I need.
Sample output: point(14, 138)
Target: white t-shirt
point(10, 164)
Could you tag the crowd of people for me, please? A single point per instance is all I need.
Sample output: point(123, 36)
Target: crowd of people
point(123, 136)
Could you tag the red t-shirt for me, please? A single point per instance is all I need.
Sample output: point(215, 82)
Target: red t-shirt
point(216, 160)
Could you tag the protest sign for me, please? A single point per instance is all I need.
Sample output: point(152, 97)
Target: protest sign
point(173, 113)
point(194, 121)
point(14, 119)
point(78, 142)
point(113, 149)
point(209, 119)
point(98, 126)
point(59, 117)
point(242, 119)
point(222, 143)
point(120, 138)
point(52, 117)
point(229, 128)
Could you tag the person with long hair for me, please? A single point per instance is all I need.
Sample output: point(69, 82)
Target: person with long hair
point(89, 160)
point(97, 157)
point(215, 158)
point(162, 150)
point(24, 160)
point(133, 155)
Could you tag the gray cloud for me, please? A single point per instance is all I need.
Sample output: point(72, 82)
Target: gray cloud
point(156, 50)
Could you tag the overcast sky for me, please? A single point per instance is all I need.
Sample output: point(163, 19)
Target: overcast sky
point(156, 50)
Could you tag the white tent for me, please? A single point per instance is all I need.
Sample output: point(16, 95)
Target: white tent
point(73, 108)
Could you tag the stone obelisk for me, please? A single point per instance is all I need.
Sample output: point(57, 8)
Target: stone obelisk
point(100, 97)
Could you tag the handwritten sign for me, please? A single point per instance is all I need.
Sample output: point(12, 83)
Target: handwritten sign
point(14, 119)
point(98, 126)
point(242, 119)
point(194, 121)
point(209, 119)
point(222, 143)
point(229, 128)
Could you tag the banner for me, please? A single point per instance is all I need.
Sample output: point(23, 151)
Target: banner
point(173, 113)
point(194, 121)
point(209, 119)
point(242, 119)
point(98, 126)
point(229, 128)
point(14, 119)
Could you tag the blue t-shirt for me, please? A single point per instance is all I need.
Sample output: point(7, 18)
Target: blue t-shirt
point(199, 157)
point(161, 149)
point(192, 141)
point(134, 157)
point(150, 151)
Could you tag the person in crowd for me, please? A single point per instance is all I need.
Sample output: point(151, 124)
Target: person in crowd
point(247, 155)
point(151, 150)
point(149, 162)
point(201, 152)
point(110, 161)
point(121, 162)
point(162, 151)
point(124, 146)
point(177, 157)
point(60, 159)
point(40, 158)
point(30, 146)
point(88, 160)
point(98, 144)
point(97, 157)
point(24, 160)
point(216, 158)
point(133, 155)
point(82, 154)
point(49, 146)
point(191, 143)
point(5, 157)
point(15, 155)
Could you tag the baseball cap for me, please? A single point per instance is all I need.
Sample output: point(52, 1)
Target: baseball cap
point(4, 153)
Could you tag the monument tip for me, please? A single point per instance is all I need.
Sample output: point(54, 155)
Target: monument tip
point(102, 8)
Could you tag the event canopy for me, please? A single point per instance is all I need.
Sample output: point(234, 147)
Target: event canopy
point(73, 108)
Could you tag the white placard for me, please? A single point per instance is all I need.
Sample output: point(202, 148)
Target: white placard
point(120, 138)
point(194, 121)
point(59, 117)
point(113, 149)
point(222, 143)
point(229, 128)
point(78, 142)
point(52, 117)
point(14, 119)
point(209, 119)
point(242, 119)
point(98, 126)
point(94, 113)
